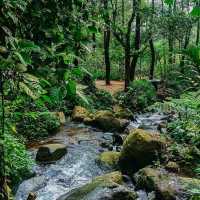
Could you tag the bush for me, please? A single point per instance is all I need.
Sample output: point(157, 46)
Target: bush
point(185, 128)
point(141, 94)
point(35, 125)
point(18, 163)
point(102, 99)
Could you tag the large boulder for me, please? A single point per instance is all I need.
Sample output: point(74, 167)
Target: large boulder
point(51, 152)
point(106, 121)
point(109, 159)
point(103, 187)
point(140, 149)
point(167, 186)
point(79, 114)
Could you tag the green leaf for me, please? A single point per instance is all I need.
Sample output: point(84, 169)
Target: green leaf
point(28, 45)
point(77, 71)
point(195, 12)
point(28, 91)
point(21, 58)
point(71, 88)
point(169, 2)
point(92, 29)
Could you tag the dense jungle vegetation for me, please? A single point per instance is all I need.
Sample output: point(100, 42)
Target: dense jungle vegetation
point(53, 52)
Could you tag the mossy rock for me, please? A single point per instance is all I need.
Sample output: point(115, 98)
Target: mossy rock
point(168, 186)
point(172, 166)
point(122, 113)
point(79, 114)
point(51, 152)
point(106, 121)
point(102, 187)
point(140, 149)
point(61, 117)
point(109, 159)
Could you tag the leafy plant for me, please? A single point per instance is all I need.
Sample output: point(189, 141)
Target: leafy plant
point(140, 94)
point(35, 125)
point(18, 162)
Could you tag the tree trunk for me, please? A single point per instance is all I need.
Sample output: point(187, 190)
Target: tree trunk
point(107, 41)
point(127, 67)
point(186, 43)
point(152, 66)
point(94, 38)
point(123, 17)
point(198, 32)
point(137, 44)
point(107, 54)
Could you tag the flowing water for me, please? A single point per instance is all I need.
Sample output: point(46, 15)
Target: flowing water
point(79, 165)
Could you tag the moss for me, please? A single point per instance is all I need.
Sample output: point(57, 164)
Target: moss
point(110, 180)
point(140, 149)
point(167, 186)
point(115, 177)
point(106, 120)
point(109, 158)
point(79, 113)
point(122, 113)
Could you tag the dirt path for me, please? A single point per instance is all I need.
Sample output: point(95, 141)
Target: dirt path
point(115, 86)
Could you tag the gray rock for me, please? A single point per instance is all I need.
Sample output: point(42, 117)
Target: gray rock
point(51, 152)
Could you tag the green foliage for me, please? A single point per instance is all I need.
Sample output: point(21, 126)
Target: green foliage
point(184, 128)
point(18, 162)
point(188, 156)
point(140, 94)
point(195, 12)
point(35, 125)
point(100, 100)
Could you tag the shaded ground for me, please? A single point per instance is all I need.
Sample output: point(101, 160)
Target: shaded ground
point(115, 86)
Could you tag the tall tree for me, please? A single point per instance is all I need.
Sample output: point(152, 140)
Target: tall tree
point(124, 38)
point(137, 41)
point(107, 33)
point(151, 45)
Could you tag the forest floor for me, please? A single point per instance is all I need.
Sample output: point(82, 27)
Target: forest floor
point(114, 87)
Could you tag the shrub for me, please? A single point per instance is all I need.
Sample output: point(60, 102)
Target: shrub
point(140, 94)
point(34, 125)
point(18, 163)
point(102, 99)
point(185, 128)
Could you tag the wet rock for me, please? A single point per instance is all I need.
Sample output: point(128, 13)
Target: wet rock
point(61, 117)
point(105, 187)
point(30, 185)
point(106, 121)
point(109, 159)
point(31, 196)
point(79, 114)
point(167, 186)
point(51, 152)
point(105, 144)
point(140, 149)
point(117, 139)
point(122, 113)
point(172, 167)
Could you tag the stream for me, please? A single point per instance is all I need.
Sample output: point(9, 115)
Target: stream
point(78, 166)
